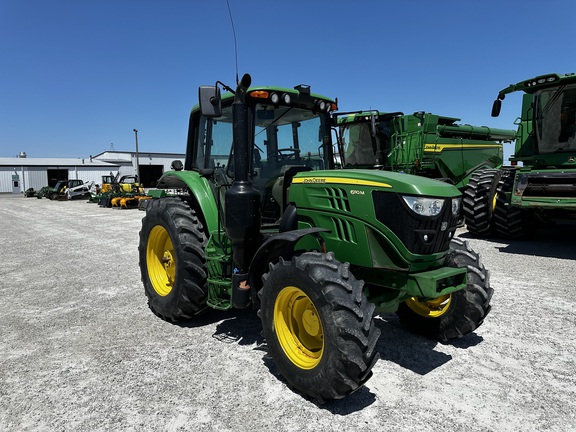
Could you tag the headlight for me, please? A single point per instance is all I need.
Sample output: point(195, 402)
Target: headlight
point(424, 206)
point(456, 204)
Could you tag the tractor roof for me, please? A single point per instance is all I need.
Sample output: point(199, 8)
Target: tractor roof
point(301, 89)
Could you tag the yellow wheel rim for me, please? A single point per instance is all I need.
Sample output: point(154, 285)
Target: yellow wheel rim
point(430, 308)
point(298, 328)
point(494, 200)
point(161, 260)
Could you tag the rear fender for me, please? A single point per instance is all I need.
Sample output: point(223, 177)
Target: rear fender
point(199, 189)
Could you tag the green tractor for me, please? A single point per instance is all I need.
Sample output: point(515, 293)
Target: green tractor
point(257, 216)
point(511, 202)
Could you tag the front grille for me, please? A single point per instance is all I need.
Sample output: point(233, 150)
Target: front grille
point(420, 235)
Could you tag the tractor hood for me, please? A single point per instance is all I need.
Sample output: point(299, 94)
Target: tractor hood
point(405, 184)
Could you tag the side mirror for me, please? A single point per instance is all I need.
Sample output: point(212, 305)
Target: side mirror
point(496, 108)
point(210, 101)
point(177, 165)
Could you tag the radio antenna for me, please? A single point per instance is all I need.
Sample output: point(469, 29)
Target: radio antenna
point(234, 33)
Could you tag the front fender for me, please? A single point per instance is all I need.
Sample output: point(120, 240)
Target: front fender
point(200, 190)
point(276, 246)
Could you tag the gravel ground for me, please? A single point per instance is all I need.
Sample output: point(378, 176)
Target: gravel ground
point(81, 351)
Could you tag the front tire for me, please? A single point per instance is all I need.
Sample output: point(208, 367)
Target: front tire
point(318, 325)
point(172, 260)
point(456, 314)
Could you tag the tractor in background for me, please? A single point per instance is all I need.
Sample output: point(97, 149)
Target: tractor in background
point(125, 192)
point(258, 217)
point(58, 192)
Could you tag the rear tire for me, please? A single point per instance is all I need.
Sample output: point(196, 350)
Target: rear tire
point(479, 202)
point(318, 325)
point(172, 260)
point(458, 313)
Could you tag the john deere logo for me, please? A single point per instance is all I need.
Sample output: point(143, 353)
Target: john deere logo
point(340, 180)
point(571, 159)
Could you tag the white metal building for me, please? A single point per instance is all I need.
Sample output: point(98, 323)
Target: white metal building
point(21, 173)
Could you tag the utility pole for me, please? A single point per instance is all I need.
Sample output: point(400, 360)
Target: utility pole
point(137, 158)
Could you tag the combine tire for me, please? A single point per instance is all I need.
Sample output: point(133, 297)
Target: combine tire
point(318, 325)
point(459, 313)
point(172, 260)
point(511, 222)
point(479, 201)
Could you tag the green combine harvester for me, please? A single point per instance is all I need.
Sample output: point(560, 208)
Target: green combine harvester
point(422, 144)
point(257, 217)
point(540, 187)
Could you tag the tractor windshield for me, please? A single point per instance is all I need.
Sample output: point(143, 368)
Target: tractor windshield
point(288, 136)
point(282, 136)
point(287, 140)
point(555, 119)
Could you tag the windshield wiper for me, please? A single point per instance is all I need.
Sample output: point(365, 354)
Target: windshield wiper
point(548, 105)
point(274, 121)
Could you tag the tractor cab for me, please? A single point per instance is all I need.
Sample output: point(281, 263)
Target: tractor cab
point(289, 132)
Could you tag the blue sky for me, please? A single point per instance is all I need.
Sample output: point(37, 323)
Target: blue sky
point(77, 76)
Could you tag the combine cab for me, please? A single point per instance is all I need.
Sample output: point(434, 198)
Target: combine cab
point(540, 187)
